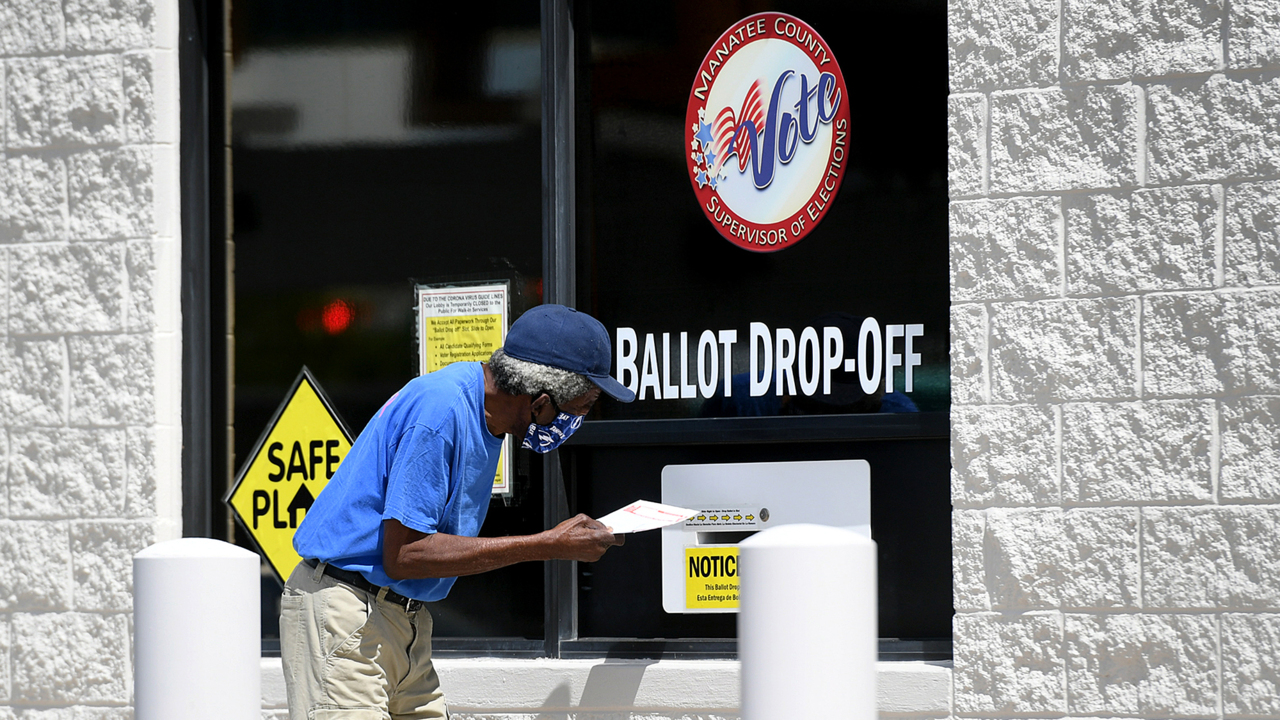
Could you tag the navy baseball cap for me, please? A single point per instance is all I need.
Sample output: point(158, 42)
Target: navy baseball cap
point(564, 338)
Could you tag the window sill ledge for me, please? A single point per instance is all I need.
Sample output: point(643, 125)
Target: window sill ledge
point(500, 686)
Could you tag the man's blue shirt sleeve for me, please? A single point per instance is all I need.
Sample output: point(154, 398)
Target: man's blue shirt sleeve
point(418, 484)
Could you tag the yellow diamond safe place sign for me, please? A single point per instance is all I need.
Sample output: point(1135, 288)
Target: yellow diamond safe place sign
point(292, 462)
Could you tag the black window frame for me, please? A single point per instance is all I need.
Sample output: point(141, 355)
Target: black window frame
point(206, 285)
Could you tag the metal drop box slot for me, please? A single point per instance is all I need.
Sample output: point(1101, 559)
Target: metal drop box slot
point(737, 500)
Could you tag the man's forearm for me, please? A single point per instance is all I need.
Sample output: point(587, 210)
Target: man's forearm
point(441, 555)
point(410, 554)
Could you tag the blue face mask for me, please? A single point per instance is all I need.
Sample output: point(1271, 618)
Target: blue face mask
point(545, 438)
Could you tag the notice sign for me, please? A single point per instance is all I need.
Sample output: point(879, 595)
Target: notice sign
point(460, 324)
point(293, 461)
point(711, 578)
point(464, 324)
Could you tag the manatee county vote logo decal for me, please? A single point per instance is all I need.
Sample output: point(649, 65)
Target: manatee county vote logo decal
point(768, 131)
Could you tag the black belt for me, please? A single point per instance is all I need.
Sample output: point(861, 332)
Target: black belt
point(356, 580)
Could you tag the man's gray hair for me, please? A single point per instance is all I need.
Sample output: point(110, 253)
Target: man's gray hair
point(521, 377)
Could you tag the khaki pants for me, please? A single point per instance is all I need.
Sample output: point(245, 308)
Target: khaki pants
point(350, 656)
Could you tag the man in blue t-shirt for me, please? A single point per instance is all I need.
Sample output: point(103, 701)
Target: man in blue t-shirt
point(399, 520)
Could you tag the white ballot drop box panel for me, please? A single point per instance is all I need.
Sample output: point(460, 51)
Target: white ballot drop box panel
point(737, 500)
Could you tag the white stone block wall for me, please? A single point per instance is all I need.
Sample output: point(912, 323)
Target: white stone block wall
point(90, 450)
point(1115, 340)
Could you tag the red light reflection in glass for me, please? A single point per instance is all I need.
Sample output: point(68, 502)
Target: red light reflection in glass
point(337, 316)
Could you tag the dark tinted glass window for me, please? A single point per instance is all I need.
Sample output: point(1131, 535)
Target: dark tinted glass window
point(652, 262)
point(376, 145)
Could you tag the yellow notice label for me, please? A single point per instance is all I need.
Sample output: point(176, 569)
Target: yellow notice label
point(293, 462)
point(461, 338)
point(711, 577)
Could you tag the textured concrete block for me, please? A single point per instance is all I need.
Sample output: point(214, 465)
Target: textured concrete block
point(1008, 44)
point(4, 472)
point(966, 143)
point(111, 194)
point(70, 657)
point(1009, 664)
point(1101, 565)
point(1005, 249)
point(5, 646)
point(4, 290)
point(968, 354)
point(66, 473)
point(1251, 664)
point(1137, 452)
point(1210, 344)
point(1184, 344)
point(33, 389)
point(35, 558)
point(66, 288)
point(1255, 335)
point(94, 102)
point(59, 101)
point(139, 95)
point(1186, 558)
point(30, 26)
point(1026, 551)
point(1255, 34)
point(35, 100)
point(140, 267)
point(1213, 129)
point(1162, 239)
point(1004, 455)
point(110, 24)
point(102, 553)
point(968, 577)
point(111, 379)
point(79, 712)
point(1119, 39)
point(1064, 139)
point(1253, 536)
point(140, 472)
point(1250, 466)
point(33, 198)
point(1251, 252)
point(1063, 350)
point(1211, 557)
point(1153, 665)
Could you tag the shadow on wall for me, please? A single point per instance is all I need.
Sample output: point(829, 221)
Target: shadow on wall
point(609, 688)
point(557, 704)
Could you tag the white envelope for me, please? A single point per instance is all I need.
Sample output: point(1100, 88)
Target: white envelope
point(643, 515)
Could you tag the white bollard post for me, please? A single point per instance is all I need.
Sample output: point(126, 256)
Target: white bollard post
point(807, 632)
point(197, 631)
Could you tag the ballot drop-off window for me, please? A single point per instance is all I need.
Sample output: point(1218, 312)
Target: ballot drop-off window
point(758, 327)
point(763, 233)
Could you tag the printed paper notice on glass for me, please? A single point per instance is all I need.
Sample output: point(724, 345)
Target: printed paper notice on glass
point(643, 515)
point(460, 323)
point(464, 323)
